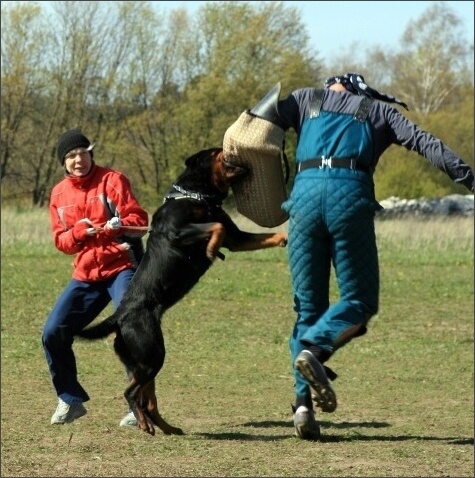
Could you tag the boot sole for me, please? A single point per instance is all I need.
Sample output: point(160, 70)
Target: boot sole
point(323, 394)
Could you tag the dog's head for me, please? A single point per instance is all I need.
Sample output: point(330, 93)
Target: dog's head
point(207, 172)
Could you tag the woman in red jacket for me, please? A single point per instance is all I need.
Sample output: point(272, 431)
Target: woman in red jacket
point(95, 216)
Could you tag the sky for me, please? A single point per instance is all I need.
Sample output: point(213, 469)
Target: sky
point(332, 25)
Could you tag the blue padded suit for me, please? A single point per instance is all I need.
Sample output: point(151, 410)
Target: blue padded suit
point(332, 206)
point(331, 211)
point(332, 221)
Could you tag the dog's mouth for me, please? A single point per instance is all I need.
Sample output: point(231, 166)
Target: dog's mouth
point(233, 171)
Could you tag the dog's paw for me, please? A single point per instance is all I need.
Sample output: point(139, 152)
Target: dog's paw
point(211, 254)
point(282, 240)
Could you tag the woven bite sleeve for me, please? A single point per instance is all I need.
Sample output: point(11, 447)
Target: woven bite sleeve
point(257, 144)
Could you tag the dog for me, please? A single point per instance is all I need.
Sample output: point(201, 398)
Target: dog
point(187, 232)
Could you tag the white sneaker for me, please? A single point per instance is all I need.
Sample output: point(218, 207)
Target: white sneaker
point(67, 413)
point(129, 420)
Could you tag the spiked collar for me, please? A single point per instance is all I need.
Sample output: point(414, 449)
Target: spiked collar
point(180, 193)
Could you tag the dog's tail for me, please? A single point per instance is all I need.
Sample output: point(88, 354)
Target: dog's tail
point(101, 330)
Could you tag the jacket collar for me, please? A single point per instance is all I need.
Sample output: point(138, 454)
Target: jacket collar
point(82, 180)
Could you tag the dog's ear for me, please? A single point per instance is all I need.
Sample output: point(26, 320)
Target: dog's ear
point(204, 153)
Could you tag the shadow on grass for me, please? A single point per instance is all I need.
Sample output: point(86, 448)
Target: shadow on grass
point(395, 438)
point(240, 436)
point(282, 423)
point(331, 438)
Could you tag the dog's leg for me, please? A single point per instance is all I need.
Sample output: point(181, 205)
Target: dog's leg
point(151, 405)
point(194, 232)
point(216, 240)
point(253, 241)
point(134, 395)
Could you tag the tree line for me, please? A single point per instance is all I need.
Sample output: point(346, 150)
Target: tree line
point(151, 88)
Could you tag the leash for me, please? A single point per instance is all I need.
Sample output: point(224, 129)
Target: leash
point(132, 228)
point(137, 228)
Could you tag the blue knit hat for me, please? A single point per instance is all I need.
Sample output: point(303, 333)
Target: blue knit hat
point(72, 139)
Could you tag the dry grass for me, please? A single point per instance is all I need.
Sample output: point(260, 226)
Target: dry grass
point(32, 226)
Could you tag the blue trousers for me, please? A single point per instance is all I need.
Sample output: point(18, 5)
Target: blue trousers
point(78, 305)
point(331, 222)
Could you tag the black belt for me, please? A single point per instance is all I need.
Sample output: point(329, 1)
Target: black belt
point(347, 163)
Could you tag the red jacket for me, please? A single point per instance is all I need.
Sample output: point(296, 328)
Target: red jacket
point(99, 196)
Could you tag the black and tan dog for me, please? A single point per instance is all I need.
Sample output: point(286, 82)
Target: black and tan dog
point(186, 234)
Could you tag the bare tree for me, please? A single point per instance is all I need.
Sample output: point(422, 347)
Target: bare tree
point(151, 82)
point(433, 60)
point(203, 72)
point(58, 72)
point(22, 55)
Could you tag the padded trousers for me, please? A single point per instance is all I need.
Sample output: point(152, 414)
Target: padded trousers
point(331, 222)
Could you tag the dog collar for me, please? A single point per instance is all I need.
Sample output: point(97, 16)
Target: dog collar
point(181, 193)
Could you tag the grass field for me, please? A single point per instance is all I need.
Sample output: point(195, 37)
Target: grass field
point(405, 389)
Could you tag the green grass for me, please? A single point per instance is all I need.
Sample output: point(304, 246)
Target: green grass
point(405, 389)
